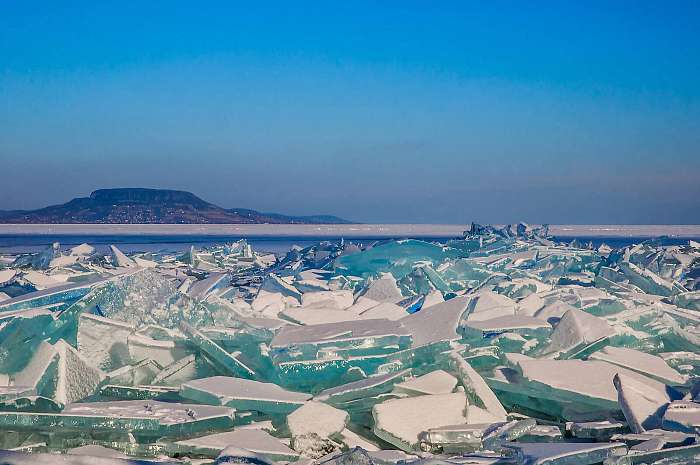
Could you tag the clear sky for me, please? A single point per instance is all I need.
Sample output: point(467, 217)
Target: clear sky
point(559, 112)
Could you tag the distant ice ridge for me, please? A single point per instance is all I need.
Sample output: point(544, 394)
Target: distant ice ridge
point(502, 346)
point(337, 230)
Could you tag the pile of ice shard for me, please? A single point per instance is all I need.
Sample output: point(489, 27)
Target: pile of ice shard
point(500, 347)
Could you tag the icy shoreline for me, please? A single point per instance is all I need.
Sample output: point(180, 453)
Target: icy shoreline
point(336, 230)
point(505, 346)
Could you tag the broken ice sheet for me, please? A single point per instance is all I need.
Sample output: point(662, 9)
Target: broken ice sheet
point(562, 453)
point(146, 418)
point(435, 382)
point(558, 384)
point(478, 392)
point(254, 440)
point(142, 392)
point(400, 421)
point(103, 341)
point(453, 439)
point(438, 322)
point(647, 364)
point(237, 455)
point(598, 430)
point(682, 416)
point(491, 340)
point(317, 356)
point(641, 403)
point(315, 429)
point(395, 257)
point(316, 418)
point(517, 324)
point(364, 388)
point(243, 394)
point(226, 362)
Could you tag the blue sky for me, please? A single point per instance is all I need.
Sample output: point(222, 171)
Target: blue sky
point(376, 111)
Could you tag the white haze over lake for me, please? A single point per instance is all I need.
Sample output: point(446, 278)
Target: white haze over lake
point(335, 230)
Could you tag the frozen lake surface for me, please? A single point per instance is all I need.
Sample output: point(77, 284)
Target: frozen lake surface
point(335, 230)
point(408, 346)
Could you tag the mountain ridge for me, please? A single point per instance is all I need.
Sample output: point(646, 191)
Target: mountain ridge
point(138, 205)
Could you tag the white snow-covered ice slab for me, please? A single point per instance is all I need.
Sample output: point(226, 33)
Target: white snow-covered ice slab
point(400, 421)
point(254, 440)
point(436, 323)
point(435, 382)
point(641, 362)
point(317, 418)
point(243, 394)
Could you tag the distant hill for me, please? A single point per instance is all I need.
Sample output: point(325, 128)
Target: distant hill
point(161, 206)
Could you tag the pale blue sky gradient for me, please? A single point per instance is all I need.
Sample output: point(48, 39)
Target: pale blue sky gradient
point(375, 111)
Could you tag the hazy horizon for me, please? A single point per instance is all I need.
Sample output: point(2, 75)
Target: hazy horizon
point(392, 113)
point(512, 221)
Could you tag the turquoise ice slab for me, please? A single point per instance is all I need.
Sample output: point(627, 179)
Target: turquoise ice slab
point(31, 404)
point(65, 326)
point(462, 271)
point(39, 260)
point(183, 366)
point(343, 334)
point(401, 422)
point(20, 337)
point(365, 336)
point(315, 375)
point(243, 394)
point(225, 361)
point(577, 333)
point(144, 296)
point(422, 281)
point(250, 341)
point(435, 279)
point(104, 341)
point(565, 389)
point(144, 418)
point(364, 388)
point(689, 300)
point(478, 392)
point(647, 280)
point(41, 372)
point(60, 296)
point(242, 334)
point(395, 257)
point(201, 288)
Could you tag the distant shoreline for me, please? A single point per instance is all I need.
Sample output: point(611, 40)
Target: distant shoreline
point(333, 230)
